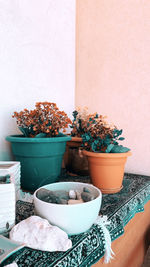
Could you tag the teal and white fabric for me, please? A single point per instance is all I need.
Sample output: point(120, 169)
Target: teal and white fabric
point(89, 247)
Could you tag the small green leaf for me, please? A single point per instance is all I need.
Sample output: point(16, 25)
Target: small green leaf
point(115, 143)
point(120, 132)
point(109, 148)
point(107, 141)
point(119, 149)
point(40, 135)
point(25, 131)
point(121, 138)
point(93, 146)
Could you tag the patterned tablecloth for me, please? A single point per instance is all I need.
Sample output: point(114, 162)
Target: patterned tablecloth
point(89, 247)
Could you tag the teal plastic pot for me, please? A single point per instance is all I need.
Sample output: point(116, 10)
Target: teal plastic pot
point(40, 158)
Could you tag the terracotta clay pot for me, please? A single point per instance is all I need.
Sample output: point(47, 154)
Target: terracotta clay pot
point(107, 170)
point(74, 160)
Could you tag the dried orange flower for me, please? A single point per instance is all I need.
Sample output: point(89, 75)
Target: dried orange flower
point(46, 118)
point(84, 122)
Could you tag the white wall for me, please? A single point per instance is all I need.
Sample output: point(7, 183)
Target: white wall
point(37, 58)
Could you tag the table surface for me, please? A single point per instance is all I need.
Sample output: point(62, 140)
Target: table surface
point(89, 247)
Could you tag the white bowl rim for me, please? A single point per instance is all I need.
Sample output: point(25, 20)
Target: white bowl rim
point(65, 205)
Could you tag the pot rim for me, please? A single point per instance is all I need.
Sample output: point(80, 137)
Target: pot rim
point(64, 205)
point(21, 139)
point(76, 139)
point(106, 155)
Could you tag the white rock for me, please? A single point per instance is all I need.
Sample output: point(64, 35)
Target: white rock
point(75, 201)
point(72, 194)
point(78, 194)
point(38, 233)
point(14, 264)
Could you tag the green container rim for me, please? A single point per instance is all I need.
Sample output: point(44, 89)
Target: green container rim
point(21, 139)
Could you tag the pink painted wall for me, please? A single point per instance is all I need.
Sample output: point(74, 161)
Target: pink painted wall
point(113, 69)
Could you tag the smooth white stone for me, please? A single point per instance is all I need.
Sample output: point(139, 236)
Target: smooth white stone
point(75, 201)
point(14, 264)
point(72, 194)
point(38, 233)
point(78, 194)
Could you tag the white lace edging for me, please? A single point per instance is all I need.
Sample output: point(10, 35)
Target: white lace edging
point(103, 222)
point(27, 197)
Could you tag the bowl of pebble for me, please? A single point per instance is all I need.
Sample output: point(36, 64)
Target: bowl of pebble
point(72, 206)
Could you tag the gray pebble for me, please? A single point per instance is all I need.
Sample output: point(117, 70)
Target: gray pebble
point(63, 202)
point(61, 194)
point(87, 196)
point(57, 197)
point(85, 189)
point(42, 193)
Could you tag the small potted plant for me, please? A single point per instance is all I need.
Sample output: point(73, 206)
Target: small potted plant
point(105, 156)
point(41, 146)
point(74, 160)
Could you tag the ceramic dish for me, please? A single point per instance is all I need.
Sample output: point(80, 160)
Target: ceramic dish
point(73, 219)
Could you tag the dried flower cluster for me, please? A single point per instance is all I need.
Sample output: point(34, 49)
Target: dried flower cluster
point(84, 122)
point(45, 119)
point(97, 135)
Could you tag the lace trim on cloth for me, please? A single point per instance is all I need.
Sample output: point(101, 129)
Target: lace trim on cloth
point(103, 222)
point(89, 247)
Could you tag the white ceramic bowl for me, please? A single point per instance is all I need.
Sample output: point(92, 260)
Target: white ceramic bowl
point(73, 219)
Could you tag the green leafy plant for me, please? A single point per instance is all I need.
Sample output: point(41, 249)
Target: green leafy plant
point(97, 135)
point(104, 143)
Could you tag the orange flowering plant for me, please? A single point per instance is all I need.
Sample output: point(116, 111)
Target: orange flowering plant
point(46, 120)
